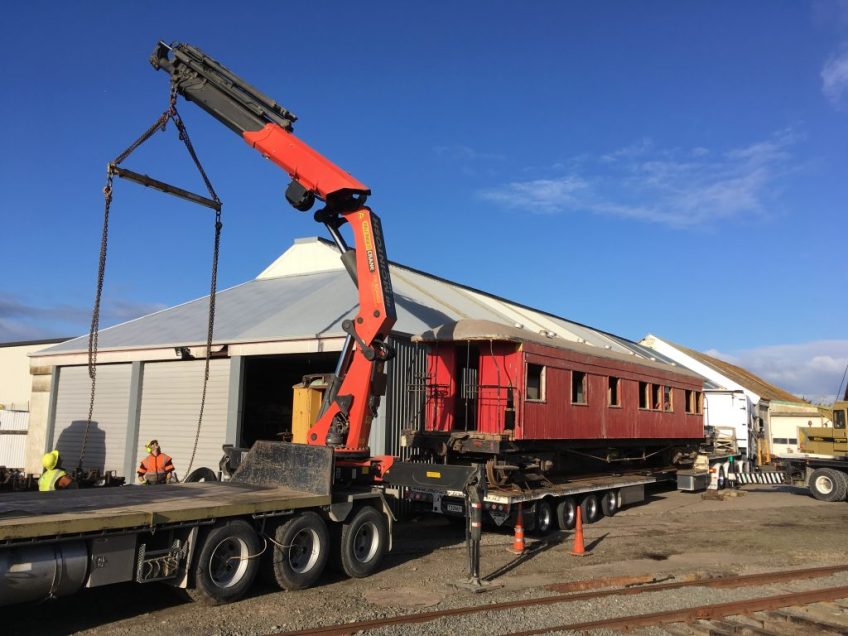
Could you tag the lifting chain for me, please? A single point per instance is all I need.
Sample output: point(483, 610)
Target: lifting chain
point(214, 202)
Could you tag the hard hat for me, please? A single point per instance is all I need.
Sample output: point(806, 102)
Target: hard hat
point(149, 444)
point(49, 460)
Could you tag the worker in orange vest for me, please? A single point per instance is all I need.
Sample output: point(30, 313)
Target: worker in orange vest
point(157, 467)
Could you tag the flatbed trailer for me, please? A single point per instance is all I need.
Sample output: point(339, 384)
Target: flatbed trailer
point(546, 505)
point(208, 538)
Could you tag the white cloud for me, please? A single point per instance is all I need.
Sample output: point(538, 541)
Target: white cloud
point(835, 78)
point(22, 320)
point(679, 188)
point(810, 369)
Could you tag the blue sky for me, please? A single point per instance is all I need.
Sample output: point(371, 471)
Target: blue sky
point(662, 167)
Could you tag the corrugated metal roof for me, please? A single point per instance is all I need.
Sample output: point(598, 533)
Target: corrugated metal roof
point(470, 329)
point(741, 376)
point(300, 306)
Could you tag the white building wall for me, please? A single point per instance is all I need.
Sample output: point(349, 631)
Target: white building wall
point(100, 443)
point(15, 378)
point(784, 422)
point(170, 406)
point(13, 429)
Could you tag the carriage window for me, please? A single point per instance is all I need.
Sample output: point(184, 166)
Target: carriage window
point(535, 382)
point(578, 387)
point(643, 395)
point(694, 402)
point(656, 400)
point(667, 399)
point(613, 392)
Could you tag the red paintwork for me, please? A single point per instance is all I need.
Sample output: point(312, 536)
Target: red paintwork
point(304, 165)
point(503, 364)
point(441, 389)
point(376, 314)
point(373, 322)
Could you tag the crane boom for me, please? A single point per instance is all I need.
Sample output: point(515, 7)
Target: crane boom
point(352, 399)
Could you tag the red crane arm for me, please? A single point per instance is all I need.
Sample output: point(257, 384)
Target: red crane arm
point(351, 401)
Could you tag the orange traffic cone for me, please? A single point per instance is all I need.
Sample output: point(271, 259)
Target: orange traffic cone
point(518, 541)
point(579, 549)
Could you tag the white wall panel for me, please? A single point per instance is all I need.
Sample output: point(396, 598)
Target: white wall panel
point(108, 431)
point(170, 405)
point(13, 438)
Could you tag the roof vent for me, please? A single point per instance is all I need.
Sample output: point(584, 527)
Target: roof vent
point(518, 325)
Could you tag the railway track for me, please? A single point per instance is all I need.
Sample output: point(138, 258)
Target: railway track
point(822, 610)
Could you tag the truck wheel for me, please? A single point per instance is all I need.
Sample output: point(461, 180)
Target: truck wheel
point(544, 517)
point(609, 503)
point(226, 565)
point(363, 542)
point(589, 508)
point(300, 550)
point(827, 484)
point(566, 514)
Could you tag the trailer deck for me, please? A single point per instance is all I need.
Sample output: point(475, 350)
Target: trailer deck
point(72, 512)
point(273, 477)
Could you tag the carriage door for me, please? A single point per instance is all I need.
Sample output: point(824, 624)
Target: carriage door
point(467, 376)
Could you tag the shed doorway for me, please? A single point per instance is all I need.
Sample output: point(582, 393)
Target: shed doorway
point(267, 392)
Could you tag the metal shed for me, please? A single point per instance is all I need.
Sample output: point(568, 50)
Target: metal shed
point(269, 332)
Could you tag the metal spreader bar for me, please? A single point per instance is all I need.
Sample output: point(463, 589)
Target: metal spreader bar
point(149, 182)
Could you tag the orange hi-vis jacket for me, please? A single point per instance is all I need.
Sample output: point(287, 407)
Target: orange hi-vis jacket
point(156, 468)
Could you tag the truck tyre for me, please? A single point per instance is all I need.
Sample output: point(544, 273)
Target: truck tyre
point(226, 565)
point(609, 503)
point(364, 540)
point(589, 508)
point(544, 518)
point(843, 488)
point(566, 514)
point(827, 484)
point(300, 549)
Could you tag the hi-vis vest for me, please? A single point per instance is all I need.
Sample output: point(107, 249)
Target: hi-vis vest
point(156, 468)
point(48, 479)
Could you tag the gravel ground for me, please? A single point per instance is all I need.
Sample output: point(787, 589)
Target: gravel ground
point(671, 535)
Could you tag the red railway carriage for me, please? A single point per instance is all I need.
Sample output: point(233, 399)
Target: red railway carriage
point(496, 389)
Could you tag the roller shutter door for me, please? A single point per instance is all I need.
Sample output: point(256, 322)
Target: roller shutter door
point(170, 405)
point(108, 431)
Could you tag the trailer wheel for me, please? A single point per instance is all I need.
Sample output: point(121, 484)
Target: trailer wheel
point(544, 517)
point(609, 503)
point(589, 508)
point(566, 513)
point(226, 565)
point(363, 542)
point(300, 551)
point(827, 484)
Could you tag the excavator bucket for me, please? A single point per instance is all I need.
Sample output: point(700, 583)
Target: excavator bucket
point(297, 466)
